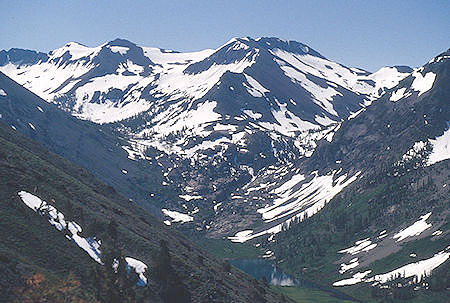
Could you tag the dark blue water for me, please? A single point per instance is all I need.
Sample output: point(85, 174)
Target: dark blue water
point(259, 268)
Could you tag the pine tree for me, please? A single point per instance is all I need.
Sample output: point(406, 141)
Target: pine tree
point(115, 281)
point(172, 289)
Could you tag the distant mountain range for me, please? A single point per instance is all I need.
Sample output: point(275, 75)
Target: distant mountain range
point(235, 110)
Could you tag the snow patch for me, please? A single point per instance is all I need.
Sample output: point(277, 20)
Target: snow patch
point(398, 94)
point(298, 200)
point(189, 197)
point(441, 148)
point(358, 277)
point(255, 89)
point(56, 218)
point(252, 114)
point(119, 49)
point(140, 268)
point(417, 269)
point(414, 230)
point(421, 83)
point(344, 267)
point(241, 236)
point(360, 246)
point(177, 216)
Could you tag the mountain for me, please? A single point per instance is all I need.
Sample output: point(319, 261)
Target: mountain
point(389, 229)
point(95, 147)
point(58, 250)
point(119, 79)
point(222, 119)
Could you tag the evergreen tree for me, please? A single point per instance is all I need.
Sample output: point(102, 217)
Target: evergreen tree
point(172, 289)
point(115, 281)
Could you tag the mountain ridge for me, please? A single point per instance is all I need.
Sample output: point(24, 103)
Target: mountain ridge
point(260, 102)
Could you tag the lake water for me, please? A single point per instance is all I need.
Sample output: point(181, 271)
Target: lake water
point(259, 268)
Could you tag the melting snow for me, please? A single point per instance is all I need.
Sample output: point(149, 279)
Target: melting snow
point(414, 230)
point(298, 203)
point(398, 94)
point(252, 114)
point(418, 269)
point(216, 206)
point(423, 84)
point(344, 267)
point(382, 234)
point(139, 267)
point(176, 216)
point(241, 236)
point(189, 197)
point(358, 277)
point(89, 245)
point(441, 148)
point(119, 49)
point(313, 194)
point(288, 123)
point(56, 219)
point(255, 89)
point(360, 246)
point(386, 77)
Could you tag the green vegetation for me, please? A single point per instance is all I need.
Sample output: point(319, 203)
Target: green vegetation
point(383, 201)
point(307, 295)
point(226, 249)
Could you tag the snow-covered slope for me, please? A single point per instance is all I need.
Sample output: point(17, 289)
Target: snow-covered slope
point(119, 79)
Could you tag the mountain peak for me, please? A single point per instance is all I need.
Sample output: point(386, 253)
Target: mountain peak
point(121, 42)
point(273, 43)
point(21, 56)
point(74, 44)
point(403, 68)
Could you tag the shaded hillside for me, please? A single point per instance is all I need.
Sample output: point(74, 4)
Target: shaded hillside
point(31, 245)
point(92, 146)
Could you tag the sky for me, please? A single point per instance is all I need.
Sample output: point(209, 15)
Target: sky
point(364, 34)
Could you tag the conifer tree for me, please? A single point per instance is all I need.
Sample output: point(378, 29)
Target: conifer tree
point(172, 289)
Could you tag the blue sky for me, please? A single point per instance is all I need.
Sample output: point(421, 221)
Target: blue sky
point(366, 34)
